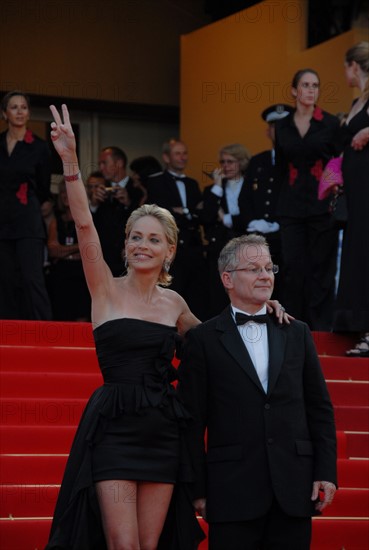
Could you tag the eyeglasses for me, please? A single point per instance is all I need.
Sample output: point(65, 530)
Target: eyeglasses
point(227, 161)
point(270, 269)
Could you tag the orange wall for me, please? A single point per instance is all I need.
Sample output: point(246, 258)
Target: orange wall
point(115, 50)
point(232, 69)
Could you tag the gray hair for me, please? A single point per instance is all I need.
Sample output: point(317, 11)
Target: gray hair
point(230, 256)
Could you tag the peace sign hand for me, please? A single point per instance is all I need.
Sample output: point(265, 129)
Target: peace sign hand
point(62, 135)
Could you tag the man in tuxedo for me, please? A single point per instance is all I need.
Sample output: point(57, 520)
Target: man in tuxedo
point(181, 195)
point(256, 386)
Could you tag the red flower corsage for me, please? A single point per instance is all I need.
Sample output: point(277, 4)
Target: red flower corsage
point(318, 113)
point(22, 193)
point(292, 174)
point(28, 137)
point(317, 169)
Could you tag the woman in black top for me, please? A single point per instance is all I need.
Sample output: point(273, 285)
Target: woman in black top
point(24, 186)
point(305, 141)
point(352, 307)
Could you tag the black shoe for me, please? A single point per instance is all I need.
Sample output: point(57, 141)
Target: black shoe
point(361, 349)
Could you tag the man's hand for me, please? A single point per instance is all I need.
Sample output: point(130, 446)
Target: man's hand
point(328, 489)
point(200, 506)
point(99, 195)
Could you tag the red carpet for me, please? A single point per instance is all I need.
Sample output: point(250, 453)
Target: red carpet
point(48, 370)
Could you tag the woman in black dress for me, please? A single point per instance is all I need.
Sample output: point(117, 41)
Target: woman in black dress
point(352, 307)
point(24, 187)
point(305, 141)
point(125, 457)
point(124, 461)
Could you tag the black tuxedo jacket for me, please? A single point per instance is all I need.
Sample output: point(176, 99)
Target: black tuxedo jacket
point(258, 445)
point(163, 191)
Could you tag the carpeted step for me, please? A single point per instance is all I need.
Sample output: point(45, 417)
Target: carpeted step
point(353, 474)
point(19, 501)
point(352, 418)
point(48, 359)
point(341, 444)
point(48, 384)
point(340, 534)
point(36, 439)
point(341, 368)
point(32, 469)
point(24, 534)
point(352, 501)
point(357, 444)
point(347, 392)
point(45, 333)
point(41, 411)
point(330, 343)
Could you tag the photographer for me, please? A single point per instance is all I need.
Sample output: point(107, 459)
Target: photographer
point(110, 207)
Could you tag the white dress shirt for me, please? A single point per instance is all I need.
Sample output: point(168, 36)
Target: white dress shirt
point(255, 338)
point(122, 183)
point(232, 192)
point(181, 190)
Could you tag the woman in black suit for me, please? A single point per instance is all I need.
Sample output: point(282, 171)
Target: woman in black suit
point(24, 187)
point(305, 141)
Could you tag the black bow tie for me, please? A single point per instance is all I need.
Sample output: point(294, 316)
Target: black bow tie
point(241, 318)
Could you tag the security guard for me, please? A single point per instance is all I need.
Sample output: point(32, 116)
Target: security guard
point(259, 196)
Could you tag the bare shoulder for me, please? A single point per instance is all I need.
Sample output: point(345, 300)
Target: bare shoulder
point(185, 318)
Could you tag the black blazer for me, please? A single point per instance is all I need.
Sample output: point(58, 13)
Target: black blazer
point(300, 162)
point(258, 445)
point(24, 186)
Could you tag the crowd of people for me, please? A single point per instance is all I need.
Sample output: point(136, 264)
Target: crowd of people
point(250, 378)
point(273, 193)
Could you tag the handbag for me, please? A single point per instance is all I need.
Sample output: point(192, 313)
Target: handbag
point(330, 178)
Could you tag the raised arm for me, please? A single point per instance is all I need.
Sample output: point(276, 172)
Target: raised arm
point(98, 275)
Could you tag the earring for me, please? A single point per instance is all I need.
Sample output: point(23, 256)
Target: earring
point(126, 264)
point(166, 265)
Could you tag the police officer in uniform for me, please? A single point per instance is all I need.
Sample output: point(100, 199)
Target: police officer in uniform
point(259, 196)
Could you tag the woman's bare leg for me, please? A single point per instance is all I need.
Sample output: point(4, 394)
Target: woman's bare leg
point(153, 501)
point(118, 507)
point(133, 513)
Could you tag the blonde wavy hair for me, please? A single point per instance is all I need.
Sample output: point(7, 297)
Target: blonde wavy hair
point(170, 230)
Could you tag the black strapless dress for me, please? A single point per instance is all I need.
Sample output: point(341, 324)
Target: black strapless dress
point(130, 429)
